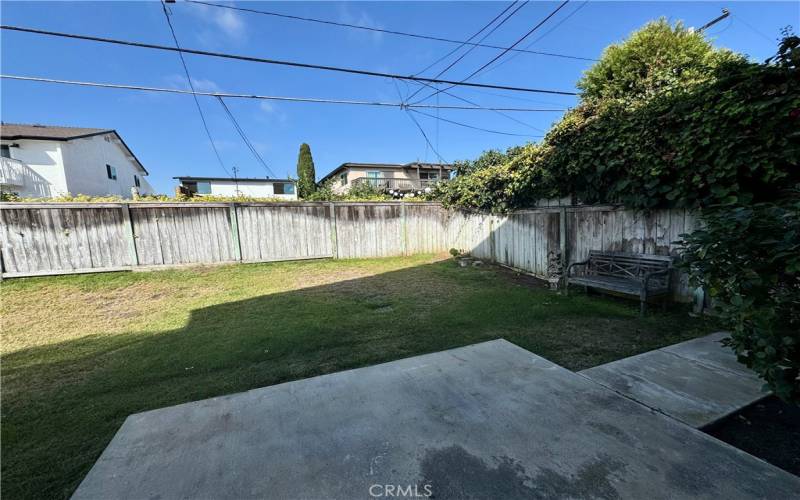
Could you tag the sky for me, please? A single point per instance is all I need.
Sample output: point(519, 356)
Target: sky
point(166, 133)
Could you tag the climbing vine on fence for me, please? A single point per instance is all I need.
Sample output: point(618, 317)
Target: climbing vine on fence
point(724, 140)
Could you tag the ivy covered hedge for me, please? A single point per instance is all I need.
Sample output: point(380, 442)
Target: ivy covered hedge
point(735, 138)
point(665, 120)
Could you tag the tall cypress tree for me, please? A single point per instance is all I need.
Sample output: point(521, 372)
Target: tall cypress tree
point(306, 174)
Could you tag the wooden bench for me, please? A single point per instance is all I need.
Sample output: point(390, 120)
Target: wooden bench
point(645, 276)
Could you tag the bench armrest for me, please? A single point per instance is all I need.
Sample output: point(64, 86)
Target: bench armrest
point(574, 264)
point(647, 276)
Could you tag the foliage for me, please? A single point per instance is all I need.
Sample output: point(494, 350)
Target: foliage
point(655, 59)
point(307, 176)
point(666, 121)
point(358, 192)
point(732, 138)
point(83, 198)
point(490, 158)
point(748, 259)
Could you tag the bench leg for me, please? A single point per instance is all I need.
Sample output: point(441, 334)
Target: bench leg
point(642, 303)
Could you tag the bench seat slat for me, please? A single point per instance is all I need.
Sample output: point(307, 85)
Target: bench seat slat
point(622, 285)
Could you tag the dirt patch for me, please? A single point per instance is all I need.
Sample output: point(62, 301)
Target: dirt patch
point(519, 278)
point(769, 429)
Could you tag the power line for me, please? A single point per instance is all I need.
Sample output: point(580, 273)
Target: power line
point(425, 136)
point(268, 97)
point(247, 142)
point(463, 99)
point(434, 63)
point(753, 28)
point(472, 126)
point(498, 56)
point(537, 39)
point(191, 86)
point(388, 32)
point(276, 61)
point(465, 54)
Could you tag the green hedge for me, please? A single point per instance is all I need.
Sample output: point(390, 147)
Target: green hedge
point(735, 139)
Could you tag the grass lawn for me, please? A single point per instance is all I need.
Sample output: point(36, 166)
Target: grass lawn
point(81, 353)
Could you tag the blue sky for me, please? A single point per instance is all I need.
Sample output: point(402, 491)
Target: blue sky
point(165, 131)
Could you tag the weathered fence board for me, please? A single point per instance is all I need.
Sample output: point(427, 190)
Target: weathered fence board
point(284, 232)
point(181, 235)
point(53, 238)
point(369, 230)
point(37, 240)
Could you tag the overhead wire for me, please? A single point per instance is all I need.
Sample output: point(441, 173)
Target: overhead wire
point(268, 97)
point(244, 137)
point(191, 86)
point(439, 118)
point(425, 136)
point(381, 30)
point(295, 64)
point(537, 39)
point(468, 51)
point(460, 46)
point(498, 56)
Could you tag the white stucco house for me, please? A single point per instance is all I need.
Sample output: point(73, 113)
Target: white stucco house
point(43, 161)
point(243, 186)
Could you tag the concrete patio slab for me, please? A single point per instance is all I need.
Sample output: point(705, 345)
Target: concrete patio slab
point(697, 382)
point(708, 350)
point(485, 421)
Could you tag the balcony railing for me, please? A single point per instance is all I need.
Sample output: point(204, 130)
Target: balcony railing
point(393, 184)
point(12, 172)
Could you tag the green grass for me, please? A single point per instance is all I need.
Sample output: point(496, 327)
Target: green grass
point(81, 353)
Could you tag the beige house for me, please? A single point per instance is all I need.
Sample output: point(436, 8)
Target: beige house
point(394, 177)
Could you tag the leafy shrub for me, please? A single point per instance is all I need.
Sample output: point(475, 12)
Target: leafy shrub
point(748, 259)
point(655, 59)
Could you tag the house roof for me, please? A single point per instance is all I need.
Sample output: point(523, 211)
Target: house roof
point(15, 131)
point(47, 132)
point(232, 179)
point(396, 166)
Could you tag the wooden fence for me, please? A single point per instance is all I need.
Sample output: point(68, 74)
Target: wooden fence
point(62, 238)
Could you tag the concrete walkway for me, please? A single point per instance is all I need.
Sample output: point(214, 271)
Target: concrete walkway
point(489, 420)
point(697, 382)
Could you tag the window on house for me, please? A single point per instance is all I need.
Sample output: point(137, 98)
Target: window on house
point(5, 151)
point(203, 187)
point(343, 178)
point(136, 181)
point(111, 172)
point(283, 188)
point(431, 176)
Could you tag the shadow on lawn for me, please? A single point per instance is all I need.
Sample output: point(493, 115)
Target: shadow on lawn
point(62, 403)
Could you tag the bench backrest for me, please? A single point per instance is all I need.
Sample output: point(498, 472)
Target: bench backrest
point(625, 265)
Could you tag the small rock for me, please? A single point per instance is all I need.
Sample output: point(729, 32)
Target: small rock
point(477, 263)
point(463, 263)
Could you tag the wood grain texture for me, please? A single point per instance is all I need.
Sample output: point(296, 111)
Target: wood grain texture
point(46, 238)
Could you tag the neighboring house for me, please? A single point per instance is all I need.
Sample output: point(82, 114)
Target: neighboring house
point(388, 176)
point(228, 186)
point(42, 161)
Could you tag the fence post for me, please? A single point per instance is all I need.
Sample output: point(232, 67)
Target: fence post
point(403, 228)
point(237, 247)
point(127, 221)
point(492, 255)
point(562, 231)
point(334, 241)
